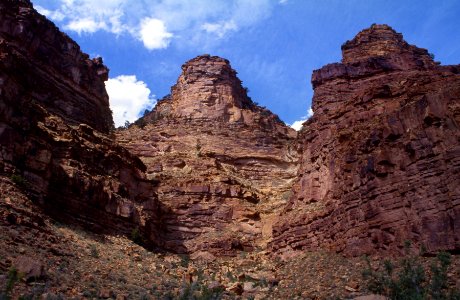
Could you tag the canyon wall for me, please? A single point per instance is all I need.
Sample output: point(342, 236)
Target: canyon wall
point(54, 129)
point(224, 164)
point(380, 159)
point(209, 173)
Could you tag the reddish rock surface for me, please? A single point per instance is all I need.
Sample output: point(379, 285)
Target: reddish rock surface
point(54, 114)
point(208, 172)
point(42, 64)
point(380, 159)
point(224, 164)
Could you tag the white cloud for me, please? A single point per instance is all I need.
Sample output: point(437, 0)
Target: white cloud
point(128, 98)
point(85, 25)
point(53, 15)
point(154, 34)
point(220, 29)
point(155, 23)
point(87, 16)
point(297, 125)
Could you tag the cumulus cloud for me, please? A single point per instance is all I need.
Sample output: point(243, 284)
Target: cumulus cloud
point(128, 98)
point(153, 34)
point(155, 23)
point(297, 125)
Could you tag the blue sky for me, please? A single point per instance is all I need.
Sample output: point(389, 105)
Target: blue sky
point(273, 45)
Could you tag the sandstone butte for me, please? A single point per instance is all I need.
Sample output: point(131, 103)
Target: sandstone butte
point(210, 173)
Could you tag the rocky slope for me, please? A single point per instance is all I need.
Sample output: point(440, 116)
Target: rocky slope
point(224, 164)
point(54, 121)
point(381, 156)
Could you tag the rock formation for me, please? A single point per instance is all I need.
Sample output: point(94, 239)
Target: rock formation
point(54, 121)
point(224, 164)
point(380, 157)
point(208, 172)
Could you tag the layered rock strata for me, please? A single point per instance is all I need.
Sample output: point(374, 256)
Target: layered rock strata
point(208, 172)
point(224, 164)
point(380, 159)
point(54, 121)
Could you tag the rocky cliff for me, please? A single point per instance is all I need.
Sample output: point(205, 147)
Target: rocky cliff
point(380, 158)
point(224, 164)
point(210, 173)
point(54, 121)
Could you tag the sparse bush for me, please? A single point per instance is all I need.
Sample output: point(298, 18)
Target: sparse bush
point(199, 291)
point(12, 278)
point(94, 252)
point(136, 236)
point(198, 148)
point(230, 276)
point(431, 55)
point(184, 260)
point(141, 123)
point(19, 181)
point(409, 280)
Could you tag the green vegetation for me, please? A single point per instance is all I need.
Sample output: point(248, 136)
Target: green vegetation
point(141, 123)
point(198, 148)
point(184, 260)
point(94, 252)
point(199, 291)
point(136, 237)
point(410, 280)
point(12, 277)
point(20, 181)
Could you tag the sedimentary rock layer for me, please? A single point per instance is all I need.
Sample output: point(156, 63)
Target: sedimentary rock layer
point(43, 64)
point(380, 159)
point(224, 164)
point(54, 116)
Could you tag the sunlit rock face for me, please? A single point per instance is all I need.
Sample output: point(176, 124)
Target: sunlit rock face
point(225, 165)
point(380, 160)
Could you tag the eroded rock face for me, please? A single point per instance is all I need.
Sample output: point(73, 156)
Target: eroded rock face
point(44, 65)
point(224, 165)
point(380, 162)
point(208, 172)
point(54, 116)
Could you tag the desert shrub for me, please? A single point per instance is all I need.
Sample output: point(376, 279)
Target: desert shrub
point(136, 236)
point(184, 260)
point(19, 181)
point(94, 252)
point(410, 280)
point(12, 278)
point(198, 148)
point(141, 123)
point(199, 291)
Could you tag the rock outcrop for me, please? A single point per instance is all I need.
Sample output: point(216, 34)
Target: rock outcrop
point(380, 159)
point(208, 172)
point(54, 125)
point(224, 164)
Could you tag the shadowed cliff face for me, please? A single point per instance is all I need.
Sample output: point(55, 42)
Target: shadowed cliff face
point(41, 63)
point(380, 162)
point(54, 117)
point(225, 165)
